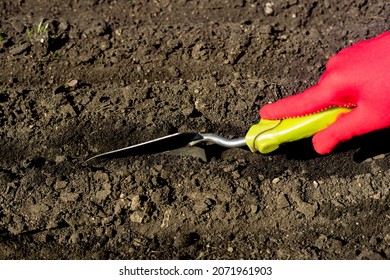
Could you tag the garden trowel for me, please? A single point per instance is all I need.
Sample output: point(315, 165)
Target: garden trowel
point(264, 137)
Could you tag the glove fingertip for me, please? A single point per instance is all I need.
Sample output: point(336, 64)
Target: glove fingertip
point(323, 144)
point(267, 112)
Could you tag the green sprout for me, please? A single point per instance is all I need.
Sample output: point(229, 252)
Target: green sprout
point(42, 27)
point(29, 33)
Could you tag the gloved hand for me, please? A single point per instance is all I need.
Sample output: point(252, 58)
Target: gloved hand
point(358, 76)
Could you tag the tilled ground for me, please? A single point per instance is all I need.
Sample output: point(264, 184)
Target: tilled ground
point(83, 77)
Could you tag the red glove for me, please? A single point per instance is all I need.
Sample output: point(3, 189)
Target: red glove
point(358, 76)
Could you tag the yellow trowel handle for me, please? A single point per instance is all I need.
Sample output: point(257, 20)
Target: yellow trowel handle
point(267, 135)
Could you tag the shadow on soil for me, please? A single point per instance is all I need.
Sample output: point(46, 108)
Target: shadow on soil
point(347, 160)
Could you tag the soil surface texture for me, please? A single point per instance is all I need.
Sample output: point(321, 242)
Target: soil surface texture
point(82, 77)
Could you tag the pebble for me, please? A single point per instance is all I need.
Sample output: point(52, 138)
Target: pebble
point(103, 194)
point(74, 238)
point(309, 210)
point(167, 216)
point(282, 202)
point(321, 241)
point(59, 185)
point(60, 159)
point(268, 9)
point(136, 217)
point(254, 209)
point(101, 176)
point(119, 206)
point(236, 174)
point(104, 45)
point(275, 180)
point(135, 202)
point(240, 191)
point(229, 168)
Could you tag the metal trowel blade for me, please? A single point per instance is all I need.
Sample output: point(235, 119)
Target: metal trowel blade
point(155, 146)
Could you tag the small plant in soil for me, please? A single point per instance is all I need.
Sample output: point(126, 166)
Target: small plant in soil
point(39, 38)
point(41, 28)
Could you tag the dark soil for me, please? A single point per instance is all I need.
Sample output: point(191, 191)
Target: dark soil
point(98, 75)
